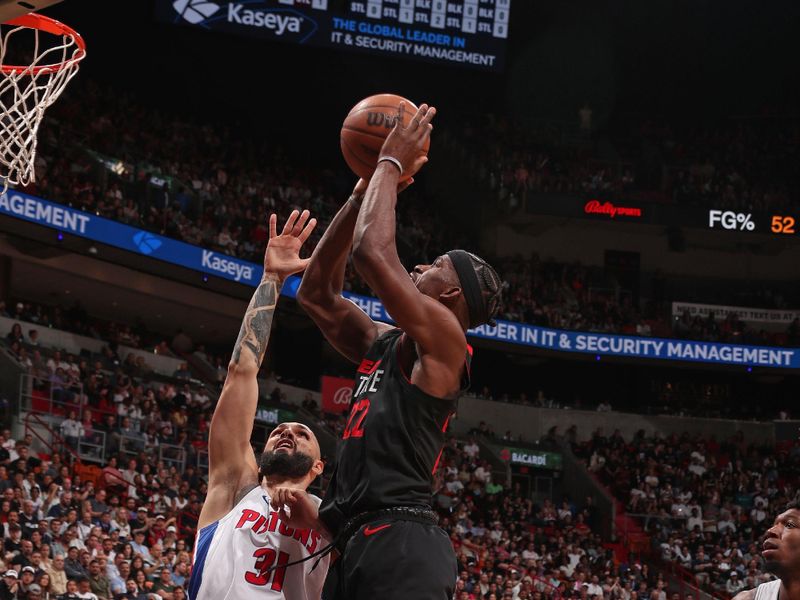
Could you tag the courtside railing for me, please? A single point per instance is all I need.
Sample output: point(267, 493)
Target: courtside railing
point(173, 456)
point(53, 398)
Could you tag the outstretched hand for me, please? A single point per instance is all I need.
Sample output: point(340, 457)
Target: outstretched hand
point(406, 143)
point(283, 251)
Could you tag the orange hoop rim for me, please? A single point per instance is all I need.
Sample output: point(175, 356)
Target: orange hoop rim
point(48, 25)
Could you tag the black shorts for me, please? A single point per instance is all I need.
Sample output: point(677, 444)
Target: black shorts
point(394, 559)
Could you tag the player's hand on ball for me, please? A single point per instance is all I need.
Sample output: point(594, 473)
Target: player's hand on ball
point(283, 251)
point(303, 512)
point(406, 144)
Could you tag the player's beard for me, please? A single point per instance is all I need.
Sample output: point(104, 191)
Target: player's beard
point(774, 567)
point(290, 465)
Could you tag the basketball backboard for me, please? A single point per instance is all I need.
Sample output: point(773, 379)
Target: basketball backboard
point(10, 9)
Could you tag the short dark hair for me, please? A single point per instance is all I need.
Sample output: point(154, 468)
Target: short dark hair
point(793, 505)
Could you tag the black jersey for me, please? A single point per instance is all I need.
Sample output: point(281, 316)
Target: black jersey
point(391, 445)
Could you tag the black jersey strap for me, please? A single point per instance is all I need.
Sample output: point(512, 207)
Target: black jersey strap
point(321, 553)
point(403, 513)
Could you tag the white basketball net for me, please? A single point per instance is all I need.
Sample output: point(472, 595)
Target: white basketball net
point(26, 92)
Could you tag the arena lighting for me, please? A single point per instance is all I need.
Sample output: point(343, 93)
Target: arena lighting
point(60, 236)
point(205, 278)
point(597, 357)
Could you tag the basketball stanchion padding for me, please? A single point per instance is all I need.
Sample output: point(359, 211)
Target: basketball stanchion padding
point(50, 52)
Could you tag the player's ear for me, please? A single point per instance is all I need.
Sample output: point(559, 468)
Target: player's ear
point(318, 467)
point(450, 296)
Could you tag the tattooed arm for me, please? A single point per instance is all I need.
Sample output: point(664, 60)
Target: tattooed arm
point(232, 463)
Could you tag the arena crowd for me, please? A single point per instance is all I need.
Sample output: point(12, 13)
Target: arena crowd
point(213, 185)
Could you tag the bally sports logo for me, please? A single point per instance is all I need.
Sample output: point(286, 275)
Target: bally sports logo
point(595, 207)
point(336, 394)
point(277, 21)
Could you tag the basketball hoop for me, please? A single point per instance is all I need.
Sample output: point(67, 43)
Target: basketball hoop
point(26, 91)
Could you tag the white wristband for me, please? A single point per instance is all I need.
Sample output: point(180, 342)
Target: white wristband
point(392, 160)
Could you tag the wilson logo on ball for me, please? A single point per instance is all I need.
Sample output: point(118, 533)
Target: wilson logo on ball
point(376, 119)
point(367, 126)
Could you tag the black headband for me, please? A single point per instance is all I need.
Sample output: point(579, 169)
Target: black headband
point(470, 287)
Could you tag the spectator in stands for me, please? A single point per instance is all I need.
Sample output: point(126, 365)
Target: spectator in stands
point(164, 586)
point(98, 581)
point(9, 585)
point(131, 476)
point(180, 574)
point(63, 507)
point(58, 577)
point(33, 338)
point(118, 573)
point(188, 517)
point(26, 580)
point(131, 592)
point(310, 404)
point(28, 519)
point(15, 335)
point(43, 581)
point(85, 589)
point(13, 539)
point(471, 449)
point(72, 430)
point(72, 565)
point(182, 372)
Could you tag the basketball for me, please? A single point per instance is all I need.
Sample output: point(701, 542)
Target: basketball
point(365, 128)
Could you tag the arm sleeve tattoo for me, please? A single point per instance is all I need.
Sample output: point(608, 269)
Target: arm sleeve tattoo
point(257, 323)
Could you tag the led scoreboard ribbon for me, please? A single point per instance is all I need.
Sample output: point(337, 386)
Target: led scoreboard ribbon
point(784, 224)
point(461, 32)
point(732, 220)
point(17, 206)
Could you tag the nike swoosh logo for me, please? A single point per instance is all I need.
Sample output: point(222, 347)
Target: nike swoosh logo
point(371, 530)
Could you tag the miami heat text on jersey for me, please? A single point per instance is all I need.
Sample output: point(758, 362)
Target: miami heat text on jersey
point(233, 555)
point(391, 443)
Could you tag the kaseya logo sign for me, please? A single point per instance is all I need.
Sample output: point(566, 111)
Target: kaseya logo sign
point(195, 11)
point(246, 17)
point(146, 243)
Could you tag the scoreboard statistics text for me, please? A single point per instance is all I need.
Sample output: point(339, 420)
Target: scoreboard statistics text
point(471, 33)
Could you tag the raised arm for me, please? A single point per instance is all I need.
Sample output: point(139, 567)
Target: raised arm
point(232, 463)
point(344, 325)
point(434, 328)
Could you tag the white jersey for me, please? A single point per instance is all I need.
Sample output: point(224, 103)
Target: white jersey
point(768, 591)
point(232, 556)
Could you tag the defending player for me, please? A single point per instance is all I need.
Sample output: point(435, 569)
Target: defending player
point(243, 546)
point(377, 506)
point(781, 552)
